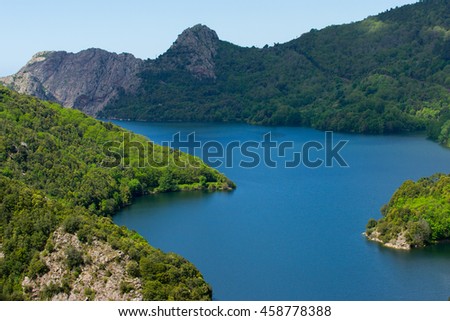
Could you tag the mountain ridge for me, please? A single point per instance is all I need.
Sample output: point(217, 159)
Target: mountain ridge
point(388, 73)
point(86, 80)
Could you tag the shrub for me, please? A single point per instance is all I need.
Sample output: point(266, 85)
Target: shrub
point(125, 287)
point(71, 224)
point(154, 291)
point(371, 225)
point(74, 258)
point(50, 246)
point(85, 235)
point(50, 290)
point(419, 232)
point(133, 269)
point(90, 294)
point(37, 267)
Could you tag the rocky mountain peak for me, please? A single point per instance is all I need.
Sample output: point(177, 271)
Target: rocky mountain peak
point(194, 50)
point(39, 56)
point(196, 36)
point(86, 80)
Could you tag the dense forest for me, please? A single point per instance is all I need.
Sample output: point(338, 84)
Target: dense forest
point(389, 73)
point(418, 213)
point(54, 175)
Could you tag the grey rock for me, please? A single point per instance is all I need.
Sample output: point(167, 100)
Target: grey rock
point(102, 275)
point(194, 50)
point(90, 79)
point(86, 80)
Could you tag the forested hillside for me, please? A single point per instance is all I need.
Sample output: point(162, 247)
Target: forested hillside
point(54, 183)
point(389, 73)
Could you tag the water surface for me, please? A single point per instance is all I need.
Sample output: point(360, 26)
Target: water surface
point(295, 234)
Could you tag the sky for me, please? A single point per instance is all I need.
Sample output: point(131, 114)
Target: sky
point(148, 28)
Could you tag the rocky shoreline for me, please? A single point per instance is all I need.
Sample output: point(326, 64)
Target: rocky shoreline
point(398, 244)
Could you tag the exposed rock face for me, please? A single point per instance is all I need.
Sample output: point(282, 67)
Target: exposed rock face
point(103, 275)
point(87, 80)
point(90, 79)
point(194, 50)
point(399, 243)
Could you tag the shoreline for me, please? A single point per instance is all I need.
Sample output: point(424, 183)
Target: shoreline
point(400, 243)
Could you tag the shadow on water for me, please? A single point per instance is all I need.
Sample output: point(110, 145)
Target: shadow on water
point(436, 251)
point(156, 201)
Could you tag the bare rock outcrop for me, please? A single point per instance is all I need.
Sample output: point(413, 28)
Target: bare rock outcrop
point(194, 50)
point(102, 276)
point(399, 243)
point(86, 80)
point(90, 79)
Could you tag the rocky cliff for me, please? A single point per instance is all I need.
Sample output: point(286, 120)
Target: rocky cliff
point(86, 80)
point(101, 275)
point(194, 51)
point(90, 79)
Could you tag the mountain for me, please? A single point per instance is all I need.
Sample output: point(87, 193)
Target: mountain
point(194, 52)
point(90, 79)
point(86, 81)
point(386, 74)
point(62, 175)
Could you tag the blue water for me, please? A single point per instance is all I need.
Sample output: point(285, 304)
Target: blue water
point(295, 234)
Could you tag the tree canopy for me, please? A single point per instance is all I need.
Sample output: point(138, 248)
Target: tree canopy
point(418, 211)
point(51, 176)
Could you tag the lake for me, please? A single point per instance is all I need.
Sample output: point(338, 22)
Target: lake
point(295, 233)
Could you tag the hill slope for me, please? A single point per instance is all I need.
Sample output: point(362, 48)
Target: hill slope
point(57, 188)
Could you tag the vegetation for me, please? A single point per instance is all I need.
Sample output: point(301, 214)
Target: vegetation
point(51, 176)
point(418, 211)
point(389, 73)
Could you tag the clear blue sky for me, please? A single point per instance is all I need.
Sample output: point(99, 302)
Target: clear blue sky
point(147, 28)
